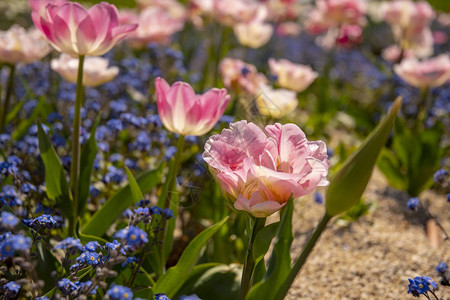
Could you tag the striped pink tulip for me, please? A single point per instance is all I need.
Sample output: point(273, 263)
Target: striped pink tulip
point(73, 30)
point(260, 170)
point(184, 112)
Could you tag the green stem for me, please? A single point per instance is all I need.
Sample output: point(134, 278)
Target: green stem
point(249, 265)
point(75, 166)
point(303, 256)
point(9, 90)
point(169, 185)
point(421, 110)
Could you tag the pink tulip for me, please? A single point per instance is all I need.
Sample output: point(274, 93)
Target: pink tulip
point(155, 25)
point(241, 76)
point(292, 76)
point(20, 46)
point(75, 31)
point(184, 112)
point(260, 171)
point(424, 74)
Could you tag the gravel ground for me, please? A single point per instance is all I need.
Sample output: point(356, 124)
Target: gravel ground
point(373, 257)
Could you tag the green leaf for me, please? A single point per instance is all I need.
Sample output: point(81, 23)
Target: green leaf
point(123, 199)
point(197, 272)
point(168, 238)
point(389, 165)
point(136, 192)
point(260, 248)
point(349, 183)
point(46, 265)
point(55, 177)
point(173, 280)
point(219, 283)
point(23, 126)
point(280, 260)
point(14, 111)
point(88, 153)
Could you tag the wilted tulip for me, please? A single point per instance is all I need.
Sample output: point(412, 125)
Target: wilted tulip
point(184, 112)
point(292, 76)
point(75, 31)
point(424, 74)
point(95, 71)
point(259, 172)
point(18, 45)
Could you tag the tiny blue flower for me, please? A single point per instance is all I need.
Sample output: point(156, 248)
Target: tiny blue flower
point(190, 297)
point(69, 243)
point(440, 175)
point(161, 296)
point(318, 198)
point(11, 286)
point(119, 292)
point(92, 246)
point(129, 260)
point(442, 268)
point(413, 203)
point(8, 219)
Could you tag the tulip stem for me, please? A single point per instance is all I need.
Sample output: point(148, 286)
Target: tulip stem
point(166, 201)
point(249, 265)
point(75, 166)
point(9, 90)
point(300, 262)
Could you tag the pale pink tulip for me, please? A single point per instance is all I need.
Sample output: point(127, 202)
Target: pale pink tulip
point(241, 76)
point(155, 25)
point(394, 53)
point(18, 45)
point(259, 172)
point(232, 12)
point(424, 74)
point(184, 112)
point(95, 70)
point(75, 31)
point(292, 76)
point(276, 103)
point(253, 34)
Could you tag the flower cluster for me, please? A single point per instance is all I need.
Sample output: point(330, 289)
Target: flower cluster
point(421, 285)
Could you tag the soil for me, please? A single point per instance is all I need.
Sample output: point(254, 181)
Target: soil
point(373, 257)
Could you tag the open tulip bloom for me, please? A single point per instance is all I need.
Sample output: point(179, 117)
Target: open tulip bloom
point(75, 31)
point(260, 171)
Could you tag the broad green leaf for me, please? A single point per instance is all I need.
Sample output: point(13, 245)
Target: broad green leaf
point(429, 160)
point(47, 264)
point(168, 238)
point(389, 165)
point(280, 260)
point(55, 177)
point(88, 153)
point(136, 192)
point(349, 183)
point(175, 277)
point(197, 272)
point(260, 248)
point(23, 126)
point(123, 199)
point(219, 283)
point(14, 111)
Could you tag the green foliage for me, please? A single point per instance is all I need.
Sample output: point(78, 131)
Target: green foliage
point(357, 211)
point(25, 124)
point(412, 158)
point(55, 177)
point(349, 183)
point(123, 199)
point(280, 261)
point(173, 280)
